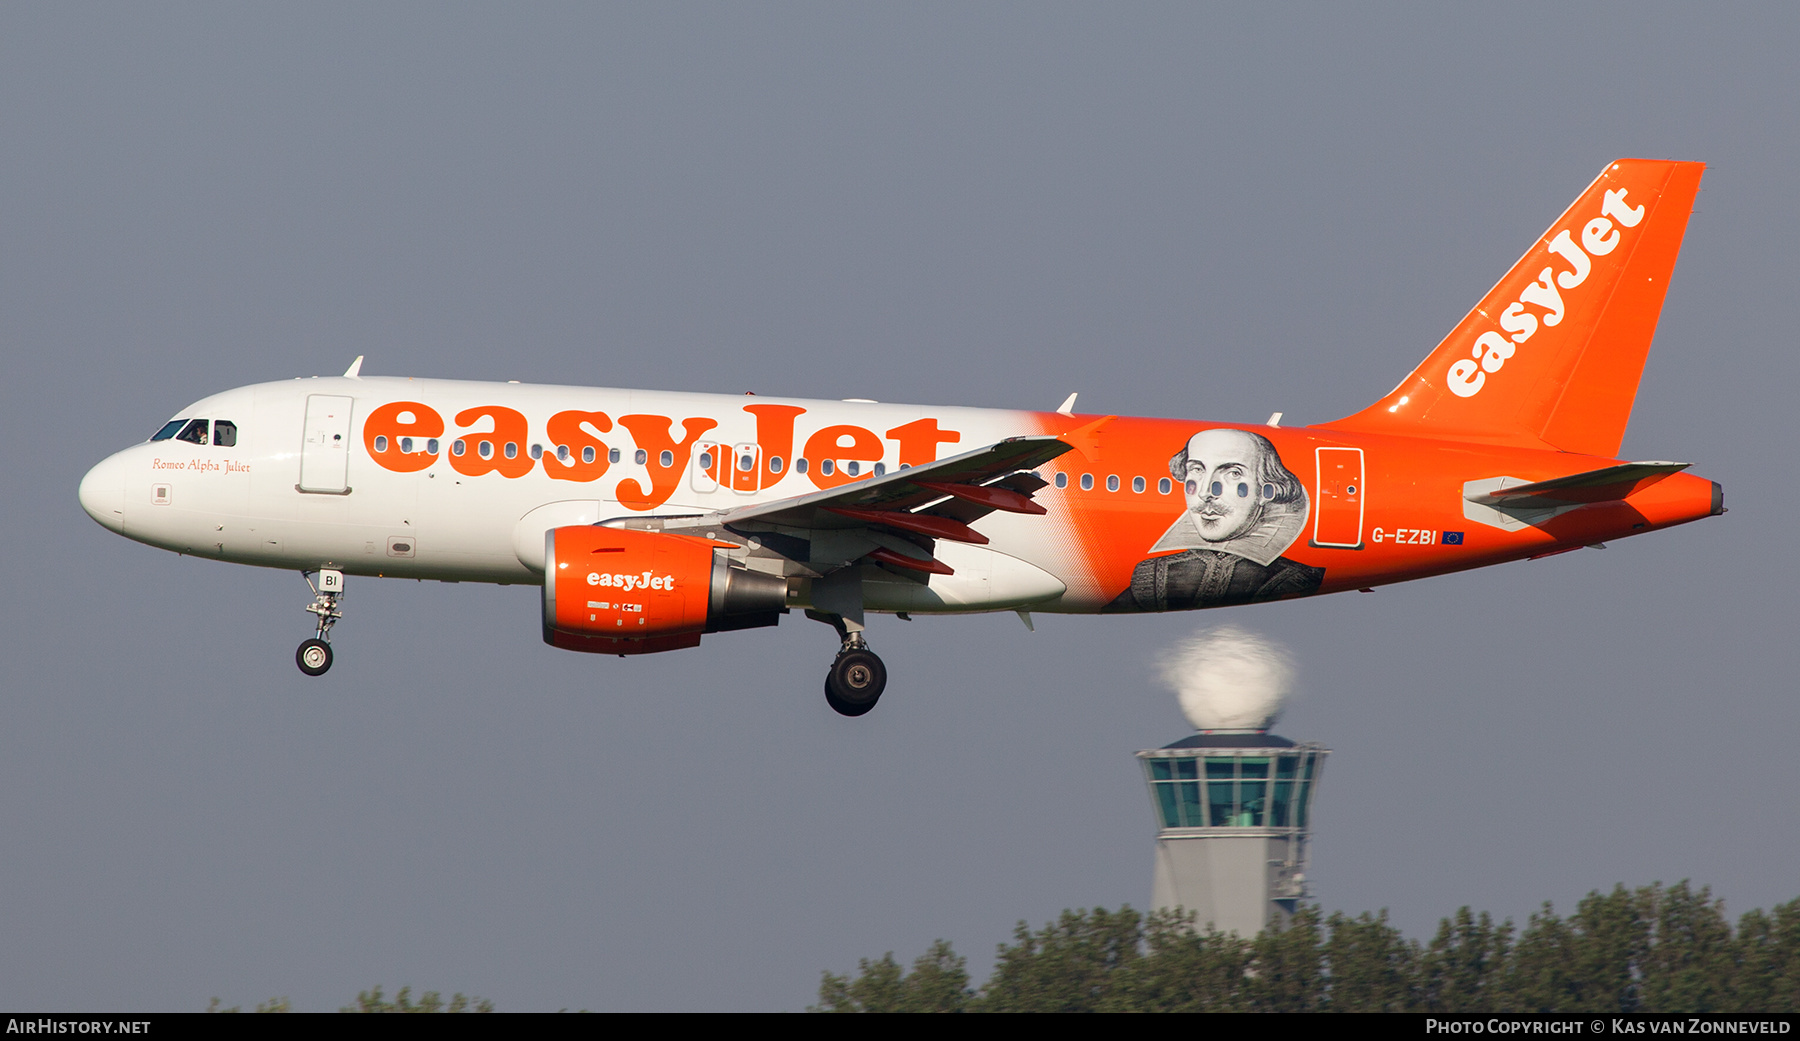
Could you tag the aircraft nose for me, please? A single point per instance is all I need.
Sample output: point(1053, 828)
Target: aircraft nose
point(103, 493)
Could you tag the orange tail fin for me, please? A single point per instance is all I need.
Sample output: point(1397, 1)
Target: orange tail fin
point(1551, 357)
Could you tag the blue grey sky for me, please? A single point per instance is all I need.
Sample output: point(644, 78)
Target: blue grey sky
point(1179, 210)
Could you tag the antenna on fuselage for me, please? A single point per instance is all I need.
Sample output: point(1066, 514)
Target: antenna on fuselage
point(355, 370)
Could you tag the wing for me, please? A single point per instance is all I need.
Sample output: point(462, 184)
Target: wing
point(892, 518)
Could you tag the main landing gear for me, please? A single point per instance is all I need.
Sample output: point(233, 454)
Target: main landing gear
point(857, 676)
point(314, 655)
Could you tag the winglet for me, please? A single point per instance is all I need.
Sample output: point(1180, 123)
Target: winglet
point(1086, 438)
point(355, 370)
point(1067, 408)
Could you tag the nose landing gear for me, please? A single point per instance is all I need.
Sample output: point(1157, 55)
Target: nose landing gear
point(314, 655)
point(857, 676)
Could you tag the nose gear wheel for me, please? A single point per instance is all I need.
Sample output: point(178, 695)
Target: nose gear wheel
point(313, 657)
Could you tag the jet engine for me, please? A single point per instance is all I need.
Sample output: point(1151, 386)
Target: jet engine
point(623, 591)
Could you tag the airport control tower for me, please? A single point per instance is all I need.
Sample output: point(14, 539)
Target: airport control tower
point(1233, 802)
point(1232, 813)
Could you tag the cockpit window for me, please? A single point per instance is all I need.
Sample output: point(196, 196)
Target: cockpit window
point(168, 430)
point(193, 433)
point(224, 433)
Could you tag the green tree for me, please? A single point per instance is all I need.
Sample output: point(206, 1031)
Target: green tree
point(430, 1001)
point(1288, 970)
point(1463, 965)
point(1068, 966)
point(1611, 941)
point(939, 982)
point(1182, 970)
point(1691, 963)
point(1653, 948)
point(1540, 976)
point(1372, 967)
point(1768, 960)
point(271, 1005)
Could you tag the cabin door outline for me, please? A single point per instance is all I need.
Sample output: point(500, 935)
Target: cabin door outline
point(1339, 498)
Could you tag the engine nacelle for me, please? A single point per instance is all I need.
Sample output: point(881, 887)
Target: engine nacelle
point(624, 591)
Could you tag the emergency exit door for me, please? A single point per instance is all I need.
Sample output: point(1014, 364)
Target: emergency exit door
point(325, 447)
point(746, 467)
point(1338, 504)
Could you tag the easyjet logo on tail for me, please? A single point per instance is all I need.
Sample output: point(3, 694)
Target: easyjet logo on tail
point(1599, 237)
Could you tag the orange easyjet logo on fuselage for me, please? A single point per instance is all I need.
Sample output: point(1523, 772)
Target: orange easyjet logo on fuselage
point(409, 436)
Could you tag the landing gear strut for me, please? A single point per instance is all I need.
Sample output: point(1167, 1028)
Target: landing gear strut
point(857, 676)
point(314, 655)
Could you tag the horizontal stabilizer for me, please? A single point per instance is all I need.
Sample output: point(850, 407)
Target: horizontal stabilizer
point(1607, 484)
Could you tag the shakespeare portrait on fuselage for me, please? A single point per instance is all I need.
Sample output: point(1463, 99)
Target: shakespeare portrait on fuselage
point(653, 518)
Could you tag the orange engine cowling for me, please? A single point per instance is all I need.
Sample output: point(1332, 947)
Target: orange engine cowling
point(623, 591)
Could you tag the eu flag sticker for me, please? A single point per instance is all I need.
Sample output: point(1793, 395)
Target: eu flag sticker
point(1453, 538)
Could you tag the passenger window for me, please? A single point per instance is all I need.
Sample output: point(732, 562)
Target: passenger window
point(667, 458)
point(562, 453)
point(225, 433)
point(194, 433)
point(405, 444)
point(1112, 483)
point(774, 464)
point(1062, 480)
point(641, 457)
point(168, 430)
point(587, 453)
point(1137, 484)
point(431, 446)
point(800, 465)
point(1087, 482)
point(854, 468)
point(612, 456)
point(705, 460)
point(537, 451)
point(458, 447)
point(880, 468)
point(484, 449)
point(380, 443)
point(826, 466)
point(512, 450)
point(1164, 486)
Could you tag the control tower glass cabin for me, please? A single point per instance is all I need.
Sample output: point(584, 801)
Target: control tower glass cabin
point(1233, 810)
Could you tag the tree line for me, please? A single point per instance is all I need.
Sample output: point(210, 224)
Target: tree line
point(1649, 949)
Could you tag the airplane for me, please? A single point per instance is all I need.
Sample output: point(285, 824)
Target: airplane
point(652, 519)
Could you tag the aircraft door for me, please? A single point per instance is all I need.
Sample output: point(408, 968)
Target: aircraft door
point(325, 450)
point(1338, 504)
point(746, 467)
point(709, 463)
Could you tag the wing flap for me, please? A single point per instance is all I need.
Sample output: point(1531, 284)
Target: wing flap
point(901, 514)
point(910, 490)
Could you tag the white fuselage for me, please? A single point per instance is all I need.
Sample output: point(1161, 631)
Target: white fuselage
point(262, 500)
